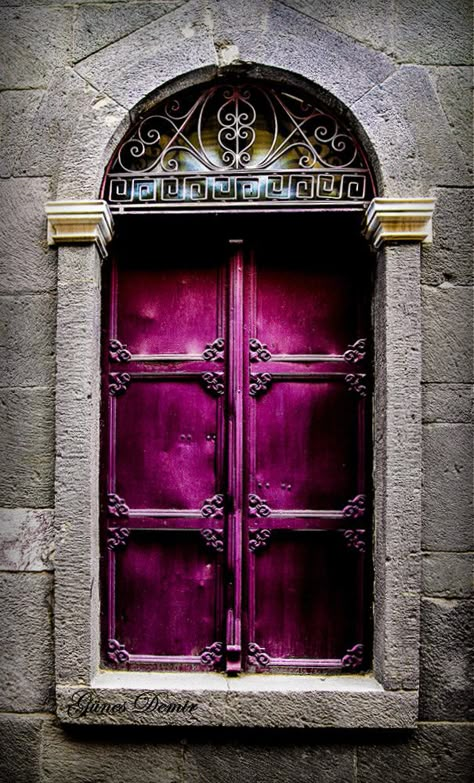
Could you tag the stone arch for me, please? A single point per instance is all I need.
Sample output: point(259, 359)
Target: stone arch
point(136, 72)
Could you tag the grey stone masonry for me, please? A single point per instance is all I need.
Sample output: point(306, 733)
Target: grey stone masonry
point(73, 75)
point(447, 660)
point(447, 333)
point(448, 487)
point(26, 263)
point(26, 539)
point(20, 748)
point(26, 642)
point(27, 454)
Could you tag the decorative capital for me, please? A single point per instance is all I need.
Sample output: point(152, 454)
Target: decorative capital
point(399, 220)
point(70, 222)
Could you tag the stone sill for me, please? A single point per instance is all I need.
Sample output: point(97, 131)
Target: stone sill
point(269, 700)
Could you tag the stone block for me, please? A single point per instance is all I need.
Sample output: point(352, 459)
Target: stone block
point(401, 623)
point(26, 539)
point(26, 642)
point(448, 403)
point(110, 754)
point(431, 754)
point(448, 574)
point(447, 487)
point(34, 41)
point(369, 22)
point(446, 660)
point(337, 63)
point(71, 106)
point(20, 748)
point(447, 334)
point(27, 454)
point(28, 324)
point(454, 88)
point(291, 758)
point(26, 264)
point(435, 32)
point(450, 258)
point(17, 109)
point(168, 47)
point(395, 156)
point(414, 96)
point(97, 26)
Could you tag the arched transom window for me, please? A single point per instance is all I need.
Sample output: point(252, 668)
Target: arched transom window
point(246, 143)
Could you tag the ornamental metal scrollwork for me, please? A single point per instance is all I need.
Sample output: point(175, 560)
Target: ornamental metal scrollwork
point(355, 353)
point(118, 538)
point(259, 539)
point(259, 351)
point(213, 507)
point(213, 539)
point(354, 657)
point(212, 654)
point(355, 508)
point(258, 656)
point(214, 351)
point(118, 352)
point(213, 382)
point(356, 383)
point(258, 507)
point(237, 142)
point(259, 383)
point(118, 383)
point(355, 539)
point(116, 652)
point(116, 506)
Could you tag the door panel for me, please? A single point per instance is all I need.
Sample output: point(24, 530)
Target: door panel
point(306, 430)
point(166, 443)
point(306, 445)
point(306, 607)
point(166, 585)
point(165, 466)
point(305, 304)
point(184, 286)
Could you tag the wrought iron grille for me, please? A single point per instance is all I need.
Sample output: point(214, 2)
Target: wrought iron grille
point(237, 144)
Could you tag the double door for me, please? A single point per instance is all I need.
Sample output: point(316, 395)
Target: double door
point(235, 513)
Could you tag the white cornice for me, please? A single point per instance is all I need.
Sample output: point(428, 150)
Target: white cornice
point(399, 220)
point(79, 222)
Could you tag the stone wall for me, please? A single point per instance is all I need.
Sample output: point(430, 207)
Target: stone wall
point(59, 60)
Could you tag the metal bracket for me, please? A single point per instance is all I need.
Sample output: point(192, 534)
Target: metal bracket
point(260, 383)
point(214, 352)
point(259, 539)
point(354, 657)
point(257, 656)
point(213, 538)
point(118, 537)
point(118, 383)
point(116, 652)
point(213, 382)
point(118, 352)
point(356, 383)
point(259, 351)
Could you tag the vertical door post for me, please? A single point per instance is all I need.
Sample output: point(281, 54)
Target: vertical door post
point(235, 460)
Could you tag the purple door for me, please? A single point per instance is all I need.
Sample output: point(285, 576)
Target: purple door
point(235, 511)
